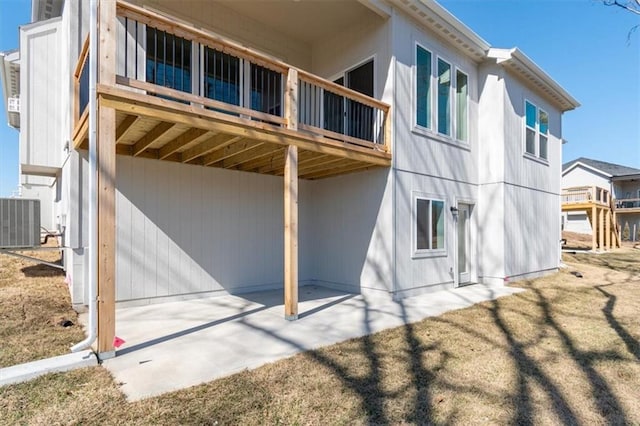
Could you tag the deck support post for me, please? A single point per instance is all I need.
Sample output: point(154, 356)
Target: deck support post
point(601, 229)
point(594, 227)
point(291, 234)
point(106, 160)
point(608, 227)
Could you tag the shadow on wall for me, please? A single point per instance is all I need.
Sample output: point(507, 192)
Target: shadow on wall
point(187, 229)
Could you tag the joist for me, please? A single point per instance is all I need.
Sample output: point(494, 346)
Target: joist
point(126, 125)
point(153, 135)
point(218, 141)
point(257, 152)
point(229, 151)
point(190, 136)
point(162, 109)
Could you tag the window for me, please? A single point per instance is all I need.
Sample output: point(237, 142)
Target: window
point(429, 229)
point(423, 87)
point(444, 97)
point(536, 131)
point(530, 143)
point(168, 60)
point(544, 132)
point(447, 104)
point(462, 96)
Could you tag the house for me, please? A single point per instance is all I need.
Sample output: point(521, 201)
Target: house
point(371, 146)
point(621, 184)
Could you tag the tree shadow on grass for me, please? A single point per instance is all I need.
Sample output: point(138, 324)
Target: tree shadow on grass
point(633, 346)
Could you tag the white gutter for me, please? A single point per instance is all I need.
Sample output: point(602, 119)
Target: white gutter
point(93, 176)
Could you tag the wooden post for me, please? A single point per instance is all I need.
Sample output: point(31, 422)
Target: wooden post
point(594, 227)
point(601, 229)
point(291, 233)
point(106, 156)
point(616, 241)
point(608, 227)
point(291, 99)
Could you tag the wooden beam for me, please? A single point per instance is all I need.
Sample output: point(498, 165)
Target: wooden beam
point(162, 109)
point(608, 229)
point(278, 165)
point(276, 157)
point(106, 156)
point(153, 135)
point(291, 100)
point(257, 152)
point(190, 136)
point(291, 234)
point(594, 227)
point(229, 151)
point(218, 141)
point(126, 124)
point(601, 228)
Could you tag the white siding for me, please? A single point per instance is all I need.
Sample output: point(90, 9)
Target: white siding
point(416, 273)
point(532, 231)
point(187, 229)
point(350, 220)
point(43, 96)
point(427, 152)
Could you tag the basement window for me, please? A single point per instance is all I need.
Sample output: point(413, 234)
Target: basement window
point(429, 229)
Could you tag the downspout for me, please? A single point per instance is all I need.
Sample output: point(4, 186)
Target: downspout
point(93, 174)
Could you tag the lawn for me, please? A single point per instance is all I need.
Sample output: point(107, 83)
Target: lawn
point(565, 351)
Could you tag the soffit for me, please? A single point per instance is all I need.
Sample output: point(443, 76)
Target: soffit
point(304, 20)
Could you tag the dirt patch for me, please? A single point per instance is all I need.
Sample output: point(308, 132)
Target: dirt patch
point(564, 351)
point(34, 305)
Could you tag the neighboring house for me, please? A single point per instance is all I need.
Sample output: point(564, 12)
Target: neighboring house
point(622, 182)
point(415, 156)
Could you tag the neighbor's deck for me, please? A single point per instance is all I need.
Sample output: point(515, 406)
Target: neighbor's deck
point(336, 130)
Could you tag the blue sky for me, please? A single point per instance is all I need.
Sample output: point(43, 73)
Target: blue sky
point(580, 43)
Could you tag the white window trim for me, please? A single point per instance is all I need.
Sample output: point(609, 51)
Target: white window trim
point(540, 111)
point(455, 106)
point(415, 88)
point(425, 253)
point(432, 131)
point(451, 112)
point(536, 142)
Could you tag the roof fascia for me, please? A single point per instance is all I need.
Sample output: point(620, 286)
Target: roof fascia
point(586, 166)
point(378, 7)
point(626, 177)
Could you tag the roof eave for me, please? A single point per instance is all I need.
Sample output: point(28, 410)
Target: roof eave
point(442, 22)
point(634, 176)
point(6, 59)
point(520, 63)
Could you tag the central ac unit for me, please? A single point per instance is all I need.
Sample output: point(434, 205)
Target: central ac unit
point(19, 223)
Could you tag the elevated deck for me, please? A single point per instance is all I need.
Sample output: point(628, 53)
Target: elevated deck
point(239, 110)
point(172, 92)
point(596, 202)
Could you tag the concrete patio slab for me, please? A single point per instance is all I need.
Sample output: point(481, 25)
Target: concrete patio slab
point(176, 345)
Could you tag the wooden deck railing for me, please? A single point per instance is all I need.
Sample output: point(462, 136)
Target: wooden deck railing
point(586, 194)
point(627, 203)
point(157, 55)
